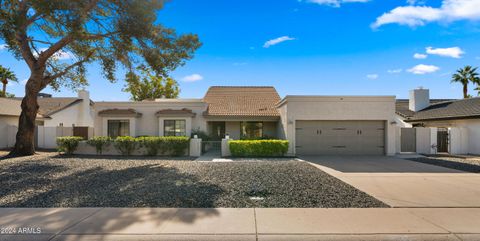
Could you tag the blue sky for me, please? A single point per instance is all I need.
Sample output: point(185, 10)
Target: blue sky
point(330, 47)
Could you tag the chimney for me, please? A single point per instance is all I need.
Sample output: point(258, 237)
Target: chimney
point(419, 99)
point(84, 114)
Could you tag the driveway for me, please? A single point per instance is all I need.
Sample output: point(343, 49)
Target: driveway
point(403, 183)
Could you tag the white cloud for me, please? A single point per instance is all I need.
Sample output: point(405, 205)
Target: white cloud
point(24, 82)
point(453, 52)
point(192, 78)
point(277, 41)
point(450, 10)
point(423, 69)
point(419, 56)
point(394, 71)
point(336, 3)
point(3, 46)
point(372, 76)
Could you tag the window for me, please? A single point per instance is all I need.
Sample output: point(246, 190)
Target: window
point(174, 128)
point(118, 128)
point(251, 130)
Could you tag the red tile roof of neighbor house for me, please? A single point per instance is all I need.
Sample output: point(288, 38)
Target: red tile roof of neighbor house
point(242, 101)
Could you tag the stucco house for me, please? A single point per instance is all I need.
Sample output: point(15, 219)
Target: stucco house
point(57, 116)
point(314, 125)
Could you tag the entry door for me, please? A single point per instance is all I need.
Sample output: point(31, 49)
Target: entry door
point(442, 140)
point(340, 137)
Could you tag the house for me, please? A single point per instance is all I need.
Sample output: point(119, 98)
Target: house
point(57, 116)
point(454, 125)
point(314, 125)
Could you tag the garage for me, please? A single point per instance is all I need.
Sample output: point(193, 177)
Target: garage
point(352, 137)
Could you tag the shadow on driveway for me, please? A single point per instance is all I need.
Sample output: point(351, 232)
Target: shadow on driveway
point(375, 164)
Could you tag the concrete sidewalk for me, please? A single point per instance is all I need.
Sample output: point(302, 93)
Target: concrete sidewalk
point(242, 224)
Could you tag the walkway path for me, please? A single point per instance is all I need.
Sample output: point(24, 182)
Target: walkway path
point(242, 224)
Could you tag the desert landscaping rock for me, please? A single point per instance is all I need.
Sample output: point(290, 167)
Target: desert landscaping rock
point(57, 181)
point(458, 163)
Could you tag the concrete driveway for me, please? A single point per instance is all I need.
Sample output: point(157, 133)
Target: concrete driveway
point(403, 183)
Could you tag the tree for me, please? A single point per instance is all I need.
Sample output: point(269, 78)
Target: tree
point(149, 85)
point(6, 75)
point(58, 38)
point(466, 75)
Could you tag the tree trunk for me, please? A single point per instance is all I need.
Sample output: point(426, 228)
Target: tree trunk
point(4, 89)
point(24, 145)
point(465, 91)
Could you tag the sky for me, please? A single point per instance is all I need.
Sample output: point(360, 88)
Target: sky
point(312, 47)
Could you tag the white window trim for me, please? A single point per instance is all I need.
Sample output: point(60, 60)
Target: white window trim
point(132, 121)
point(188, 124)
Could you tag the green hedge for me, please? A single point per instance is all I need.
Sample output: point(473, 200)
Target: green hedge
point(68, 144)
point(126, 144)
point(100, 142)
point(260, 148)
point(172, 145)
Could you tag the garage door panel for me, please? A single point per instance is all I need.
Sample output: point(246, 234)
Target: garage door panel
point(340, 137)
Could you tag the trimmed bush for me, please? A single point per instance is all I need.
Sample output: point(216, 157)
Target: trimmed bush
point(152, 144)
point(100, 142)
point(68, 144)
point(260, 148)
point(175, 145)
point(126, 144)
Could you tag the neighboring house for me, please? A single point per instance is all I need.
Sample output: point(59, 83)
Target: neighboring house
point(54, 113)
point(314, 125)
point(454, 124)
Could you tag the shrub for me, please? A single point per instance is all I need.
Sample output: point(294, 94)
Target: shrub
point(99, 142)
point(151, 143)
point(126, 144)
point(201, 134)
point(263, 148)
point(176, 144)
point(68, 144)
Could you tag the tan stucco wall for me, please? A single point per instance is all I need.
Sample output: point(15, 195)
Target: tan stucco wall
point(295, 108)
point(148, 123)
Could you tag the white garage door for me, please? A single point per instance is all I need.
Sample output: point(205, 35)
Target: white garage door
point(340, 137)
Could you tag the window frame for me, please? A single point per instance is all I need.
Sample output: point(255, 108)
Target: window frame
point(175, 131)
point(127, 129)
point(243, 136)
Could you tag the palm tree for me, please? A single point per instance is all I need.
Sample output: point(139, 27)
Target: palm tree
point(465, 75)
point(6, 75)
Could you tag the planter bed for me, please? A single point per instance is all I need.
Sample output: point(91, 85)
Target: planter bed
point(81, 181)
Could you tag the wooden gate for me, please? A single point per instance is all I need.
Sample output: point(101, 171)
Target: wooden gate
point(408, 140)
point(442, 140)
point(81, 131)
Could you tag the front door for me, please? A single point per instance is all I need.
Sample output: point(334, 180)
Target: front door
point(442, 140)
point(218, 130)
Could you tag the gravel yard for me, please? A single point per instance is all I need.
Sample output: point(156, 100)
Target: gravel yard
point(53, 181)
point(471, 164)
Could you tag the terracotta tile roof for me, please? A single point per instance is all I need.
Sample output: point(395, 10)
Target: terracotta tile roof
point(401, 107)
point(453, 109)
point(171, 112)
point(242, 101)
point(120, 112)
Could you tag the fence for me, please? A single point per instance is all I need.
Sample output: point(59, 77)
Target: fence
point(45, 137)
